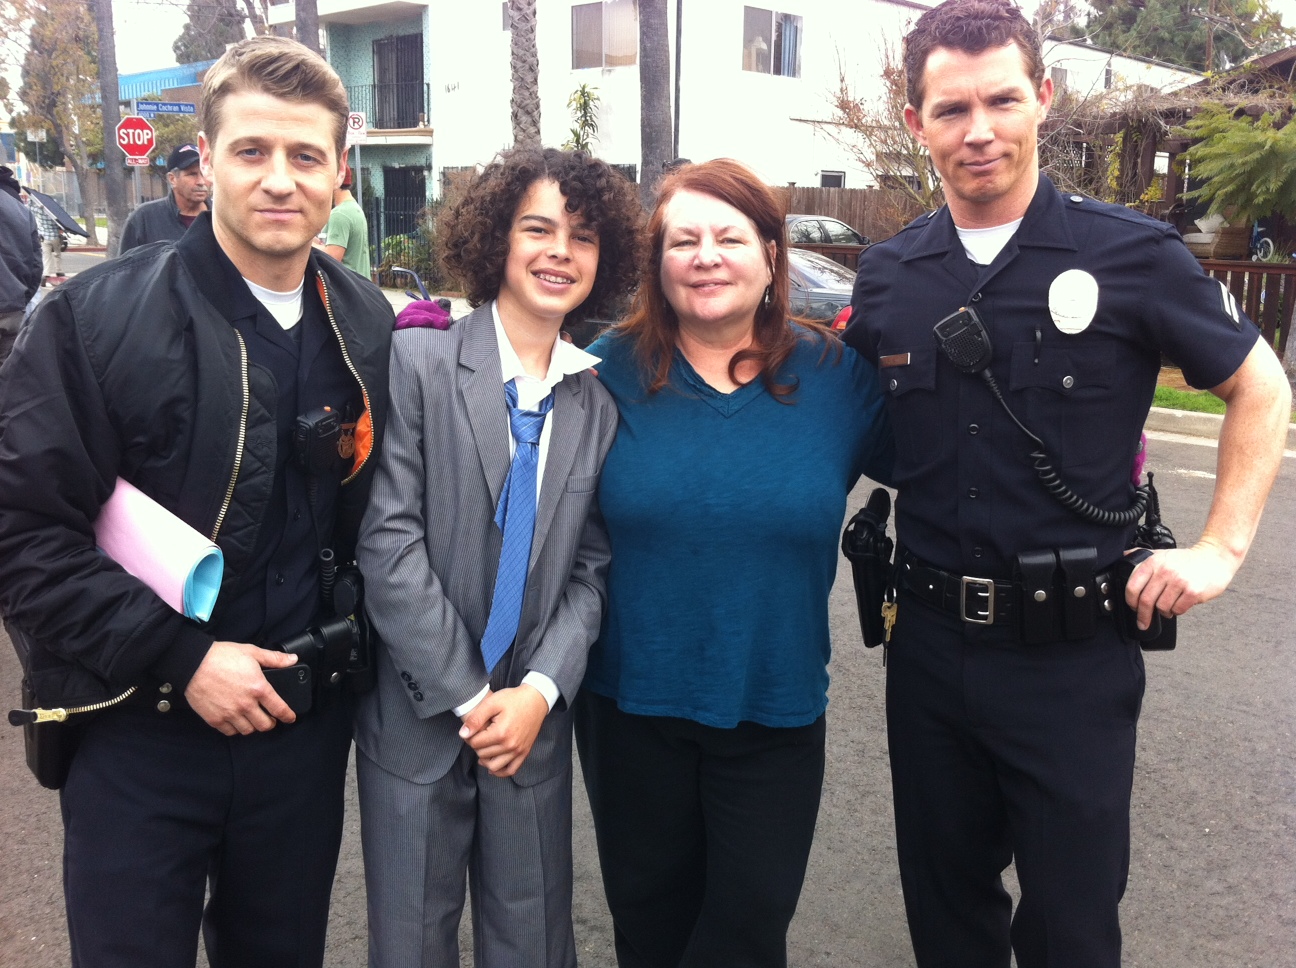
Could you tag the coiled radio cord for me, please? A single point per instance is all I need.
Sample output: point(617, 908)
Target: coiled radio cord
point(1053, 483)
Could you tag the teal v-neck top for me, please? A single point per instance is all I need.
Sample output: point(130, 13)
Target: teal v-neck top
point(724, 512)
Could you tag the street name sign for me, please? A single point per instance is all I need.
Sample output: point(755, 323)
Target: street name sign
point(148, 109)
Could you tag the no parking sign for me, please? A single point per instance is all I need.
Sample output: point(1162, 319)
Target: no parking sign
point(357, 129)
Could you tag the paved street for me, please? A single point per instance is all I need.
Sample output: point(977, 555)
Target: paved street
point(1213, 871)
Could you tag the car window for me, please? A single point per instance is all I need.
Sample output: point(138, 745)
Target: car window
point(805, 231)
point(840, 233)
point(820, 273)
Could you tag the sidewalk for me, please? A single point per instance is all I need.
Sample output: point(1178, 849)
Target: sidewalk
point(1186, 422)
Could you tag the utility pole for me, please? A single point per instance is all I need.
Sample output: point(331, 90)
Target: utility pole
point(114, 157)
point(307, 22)
point(656, 127)
point(1210, 36)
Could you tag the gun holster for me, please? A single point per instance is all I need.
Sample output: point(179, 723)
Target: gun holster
point(866, 545)
point(1159, 636)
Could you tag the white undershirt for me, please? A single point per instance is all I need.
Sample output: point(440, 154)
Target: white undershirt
point(285, 307)
point(565, 359)
point(983, 245)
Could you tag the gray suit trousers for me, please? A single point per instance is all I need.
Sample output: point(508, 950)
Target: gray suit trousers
point(511, 843)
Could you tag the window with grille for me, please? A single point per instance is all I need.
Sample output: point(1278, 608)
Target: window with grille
point(771, 42)
point(605, 34)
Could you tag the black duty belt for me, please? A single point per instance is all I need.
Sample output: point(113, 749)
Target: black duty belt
point(1062, 601)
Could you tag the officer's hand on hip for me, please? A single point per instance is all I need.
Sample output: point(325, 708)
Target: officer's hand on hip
point(230, 692)
point(1175, 580)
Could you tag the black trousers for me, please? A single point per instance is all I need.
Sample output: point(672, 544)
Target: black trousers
point(703, 833)
point(1001, 752)
point(157, 805)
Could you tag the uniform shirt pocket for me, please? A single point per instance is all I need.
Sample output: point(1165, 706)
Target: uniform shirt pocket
point(914, 408)
point(1064, 396)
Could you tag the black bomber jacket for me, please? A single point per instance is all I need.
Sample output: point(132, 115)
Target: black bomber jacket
point(129, 370)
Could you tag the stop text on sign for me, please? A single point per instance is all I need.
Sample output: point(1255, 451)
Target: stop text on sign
point(135, 136)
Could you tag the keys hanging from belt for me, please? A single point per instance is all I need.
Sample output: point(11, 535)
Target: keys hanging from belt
point(888, 620)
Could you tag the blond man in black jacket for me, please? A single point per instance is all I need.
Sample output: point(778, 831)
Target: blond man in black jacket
point(182, 369)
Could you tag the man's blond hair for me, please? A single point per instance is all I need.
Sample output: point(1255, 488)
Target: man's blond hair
point(279, 67)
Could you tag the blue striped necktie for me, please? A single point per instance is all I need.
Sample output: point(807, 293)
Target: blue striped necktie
point(515, 517)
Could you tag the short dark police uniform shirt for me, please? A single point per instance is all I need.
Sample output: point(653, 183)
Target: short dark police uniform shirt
point(280, 593)
point(1079, 376)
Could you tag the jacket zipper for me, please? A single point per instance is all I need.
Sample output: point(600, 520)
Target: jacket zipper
point(242, 437)
point(364, 393)
point(19, 717)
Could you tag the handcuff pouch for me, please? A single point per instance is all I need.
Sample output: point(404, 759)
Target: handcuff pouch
point(1079, 612)
point(1037, 578)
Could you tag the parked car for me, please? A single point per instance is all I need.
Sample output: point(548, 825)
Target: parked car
point(820, 288)
point(820, 230)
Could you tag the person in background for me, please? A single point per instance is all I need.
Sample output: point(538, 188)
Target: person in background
point(20, 261)
point(701, 721)
point(1015, 677)
point(347, 236)
point(484, 556)
point(168, 218)
point(199, 801)
point(51, 235)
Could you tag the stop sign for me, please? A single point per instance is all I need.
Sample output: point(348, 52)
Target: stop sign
point(135, 136)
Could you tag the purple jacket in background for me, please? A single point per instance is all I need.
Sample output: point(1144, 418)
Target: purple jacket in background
point(426, 314)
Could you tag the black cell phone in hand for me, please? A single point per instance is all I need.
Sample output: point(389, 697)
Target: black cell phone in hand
point(294, 686)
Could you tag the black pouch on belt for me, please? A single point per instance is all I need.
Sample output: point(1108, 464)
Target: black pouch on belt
point(50, 747)
point(1079, 610)
point(1040, 614)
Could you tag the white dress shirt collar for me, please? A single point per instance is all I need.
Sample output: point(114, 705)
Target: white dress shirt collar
point(564, 360)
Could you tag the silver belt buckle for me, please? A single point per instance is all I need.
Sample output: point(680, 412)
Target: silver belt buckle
point(985, 587)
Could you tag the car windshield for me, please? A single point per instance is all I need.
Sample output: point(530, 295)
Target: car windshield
point(838, 233)
point(819, 272)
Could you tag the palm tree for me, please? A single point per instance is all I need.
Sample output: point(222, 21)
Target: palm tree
point(525, 66)
point(307, 23)
point(655, 134)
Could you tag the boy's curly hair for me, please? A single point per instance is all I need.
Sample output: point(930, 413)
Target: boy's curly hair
point(473, 233)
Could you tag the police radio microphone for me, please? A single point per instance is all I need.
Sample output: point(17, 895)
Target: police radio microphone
point(965, 342)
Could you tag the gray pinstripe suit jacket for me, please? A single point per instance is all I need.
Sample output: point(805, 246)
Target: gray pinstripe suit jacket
point(429, 548)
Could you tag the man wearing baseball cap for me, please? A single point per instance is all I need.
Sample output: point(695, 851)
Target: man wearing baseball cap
point(167, 218)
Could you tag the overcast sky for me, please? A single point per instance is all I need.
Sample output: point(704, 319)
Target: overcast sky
point(147, 28)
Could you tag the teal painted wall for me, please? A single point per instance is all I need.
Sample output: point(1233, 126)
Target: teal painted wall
point(351, 46)
point(374, 158)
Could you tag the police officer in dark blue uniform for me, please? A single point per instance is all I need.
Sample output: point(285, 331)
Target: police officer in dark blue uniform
point(1013, 689)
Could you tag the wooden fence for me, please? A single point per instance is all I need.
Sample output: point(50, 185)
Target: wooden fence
point(1266, 292)
point(878, 213)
